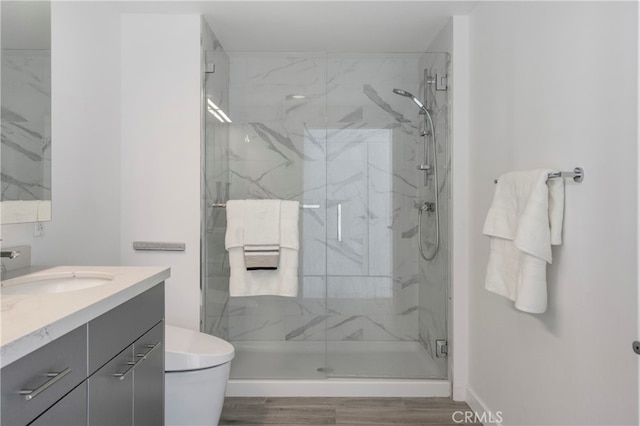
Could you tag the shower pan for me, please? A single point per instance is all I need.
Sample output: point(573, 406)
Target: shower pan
point(325, 129)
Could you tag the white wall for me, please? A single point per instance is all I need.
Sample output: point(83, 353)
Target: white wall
point(85, 141)
point(554, 85)
point(160, 161)
point(126, 146)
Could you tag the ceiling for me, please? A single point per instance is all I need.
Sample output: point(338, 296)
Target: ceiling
point(283, 26)
point(325, 25)
point(334, 26)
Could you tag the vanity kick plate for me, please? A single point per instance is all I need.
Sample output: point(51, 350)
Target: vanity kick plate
point(158, 246)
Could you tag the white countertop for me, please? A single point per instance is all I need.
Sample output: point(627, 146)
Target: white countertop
point(29, 321)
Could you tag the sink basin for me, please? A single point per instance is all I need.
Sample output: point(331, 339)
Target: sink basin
point(55, 282)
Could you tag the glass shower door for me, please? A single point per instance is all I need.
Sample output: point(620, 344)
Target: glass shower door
point(377, 310)
point(359, 253)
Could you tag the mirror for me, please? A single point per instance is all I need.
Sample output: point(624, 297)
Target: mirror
point(25, 103)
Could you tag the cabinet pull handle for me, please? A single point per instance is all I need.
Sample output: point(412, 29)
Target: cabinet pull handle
point(151, 349)
point(29, 394)
point(124, 374)
point(134, 364)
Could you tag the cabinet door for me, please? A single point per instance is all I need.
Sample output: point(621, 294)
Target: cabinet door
point(46, 374)
point(148, 377)
point(69, 411)
point(111, 392)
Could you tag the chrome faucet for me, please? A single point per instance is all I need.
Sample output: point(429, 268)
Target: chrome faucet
point(9, 254)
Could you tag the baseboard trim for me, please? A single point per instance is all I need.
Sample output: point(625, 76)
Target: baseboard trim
point(459, 393)
point(483, 412)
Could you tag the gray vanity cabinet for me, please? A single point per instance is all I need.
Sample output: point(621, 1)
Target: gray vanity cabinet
point(109, 371)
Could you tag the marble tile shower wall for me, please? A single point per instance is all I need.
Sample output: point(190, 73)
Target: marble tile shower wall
point(351, 142)
point(26, 138)
point(433, 295)
point(216, 186)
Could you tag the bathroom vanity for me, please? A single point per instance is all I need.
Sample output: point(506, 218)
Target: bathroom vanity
point(83, 345)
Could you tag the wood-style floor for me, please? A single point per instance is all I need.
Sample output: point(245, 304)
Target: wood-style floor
point(342, 411)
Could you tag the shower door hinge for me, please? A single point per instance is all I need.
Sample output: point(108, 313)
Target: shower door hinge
point(441, 82)
point(442, 348)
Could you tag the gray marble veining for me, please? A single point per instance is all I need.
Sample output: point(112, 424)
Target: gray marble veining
point(26, 131)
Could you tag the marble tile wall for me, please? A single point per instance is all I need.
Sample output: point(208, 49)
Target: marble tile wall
point(352, 142)
point(26, 125)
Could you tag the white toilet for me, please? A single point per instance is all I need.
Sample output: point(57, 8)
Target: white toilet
point(196, 373)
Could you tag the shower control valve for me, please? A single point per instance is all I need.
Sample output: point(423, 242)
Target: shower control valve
point(427, 207)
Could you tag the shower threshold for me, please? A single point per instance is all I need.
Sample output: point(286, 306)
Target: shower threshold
point(370, 388)
point(335, 368)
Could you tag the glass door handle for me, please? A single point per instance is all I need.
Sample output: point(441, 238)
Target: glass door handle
point(339, 222)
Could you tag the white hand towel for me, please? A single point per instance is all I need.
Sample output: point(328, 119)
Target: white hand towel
point(262, 234)
point(524, 220)
point(262, 222)
point(281, 282)
point(234, 236)
point(289, 236)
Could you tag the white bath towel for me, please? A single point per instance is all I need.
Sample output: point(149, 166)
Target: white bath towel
point(262, 234)
point(524, 220)
point(281, 282)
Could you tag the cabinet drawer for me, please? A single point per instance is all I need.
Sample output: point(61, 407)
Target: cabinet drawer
point(66, 356)
point(121, 326)
point(69, 411)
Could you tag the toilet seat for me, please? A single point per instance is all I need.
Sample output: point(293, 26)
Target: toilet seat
point(187, 350)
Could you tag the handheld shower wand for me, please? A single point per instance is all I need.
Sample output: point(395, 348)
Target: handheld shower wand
point(413, 98)
point(427, 169)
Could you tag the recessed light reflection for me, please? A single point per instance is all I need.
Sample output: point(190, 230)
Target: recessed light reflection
point(227, 119)
point(217, 112)
point(215, 115)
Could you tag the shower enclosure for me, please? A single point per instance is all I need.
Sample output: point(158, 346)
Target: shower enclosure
point(326, 129)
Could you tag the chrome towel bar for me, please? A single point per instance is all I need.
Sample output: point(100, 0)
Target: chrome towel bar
point(577, 174)
point(302, 206)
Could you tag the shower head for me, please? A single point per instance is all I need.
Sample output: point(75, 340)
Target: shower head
point(413, 98)
point(402, 92)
